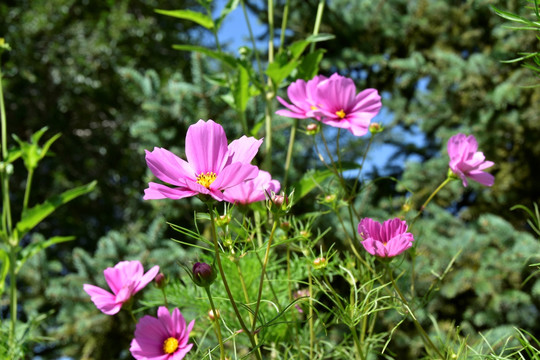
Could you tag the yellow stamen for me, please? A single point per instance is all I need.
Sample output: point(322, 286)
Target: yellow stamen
point(340, 113)
point(206, 179)
point(170, 345)
point(313, 107)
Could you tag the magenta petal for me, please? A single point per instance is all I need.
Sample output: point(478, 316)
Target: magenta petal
point(243, 150)
point(168, 167)
point(104, 300)
point(233, 175)
point(146, 278)
point(181, 353)
point(206, 147)
point(159, 191)
point(483, 178)
point(179, 324)
point(367, 101)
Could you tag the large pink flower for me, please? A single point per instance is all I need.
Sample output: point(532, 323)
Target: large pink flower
point(302, 96)
point(386, 240)
point(338, 105)
point(211, 167)
point(252, 190)
point(164, 338)
point(125, 279)
point(467, 162)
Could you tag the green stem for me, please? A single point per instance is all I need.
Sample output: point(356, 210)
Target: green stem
point(443, 184)
point(283, 25)
point(27, 190)
point(164, 297)
point(6, 208)
point(263, 271)
point(13, 296)
point(289, 152)
point(359, 353)
point(311, 327)
point(419, 327)
point(226, 284)
point(216, 323)
point(318, 19)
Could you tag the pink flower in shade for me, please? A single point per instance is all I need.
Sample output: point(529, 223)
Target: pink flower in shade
point(301, 94)
point(211, 167)
point(161, 338)
point(386, 240)
point(466, 162)
point(338, 105)
point(252, 190)
point(125, 279)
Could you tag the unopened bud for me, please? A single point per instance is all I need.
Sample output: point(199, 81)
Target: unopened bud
point(375, 128)
point(213, 316)
point(312, 129)
point(278, 200)
point(320, 263)
point(285, 225)
point(160, 281)
point(223, 220)
point(305, 234)
point(203, 274)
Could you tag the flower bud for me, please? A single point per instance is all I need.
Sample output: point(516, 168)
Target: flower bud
point(213, 316)
point(375, 128)
point(320, 263)
point(285, 225)
point(203, 274)
point(160, 281)
point(223, 220)
point(312, 129)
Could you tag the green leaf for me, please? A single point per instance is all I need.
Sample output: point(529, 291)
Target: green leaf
point(196, 17)
point(224, 58)
point(278, 72)
point(34, 248)
point(31, 152)
point(36, 214)
point(309, 67)
point(240, 90)
point(4, 259)
point(320, 37)
point(309, 182)
point(297, 48)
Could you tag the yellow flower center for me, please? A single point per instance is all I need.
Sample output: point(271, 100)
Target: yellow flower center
point(170, 345)
point(313, 107)
point(341, 114)
point(206, 179)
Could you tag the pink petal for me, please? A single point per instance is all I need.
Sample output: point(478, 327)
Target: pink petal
point(168, 167)
point(146, 278)
point(243, 150)
point(483, 178)
point(158, 191)
point(233, 175)
point(179, 325)
point(367, 101)
point(104, 300)
point(181, 352)
point(206, 147)
point(166, 321)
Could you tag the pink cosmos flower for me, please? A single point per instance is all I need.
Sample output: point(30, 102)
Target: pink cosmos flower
point(338, 105)
point(386, 240)
point(467, 162)
point(161, 338)
point(301, 94)
point(252, 190)
point(125, 279)
point(211, 167)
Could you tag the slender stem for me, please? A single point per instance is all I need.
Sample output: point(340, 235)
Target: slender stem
point(362, 164)
point(419, 327)
point(311, 327)
point(289, 151)
point(359, 353)
point(283, 25)
point(27, 190)
point(6, 208)
point(3, 119)
point(263, 271)
point(443, 184)
point(318, 18)
point(216, 323)
point(226, 284)
point(164, 297)
point(13, 296)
